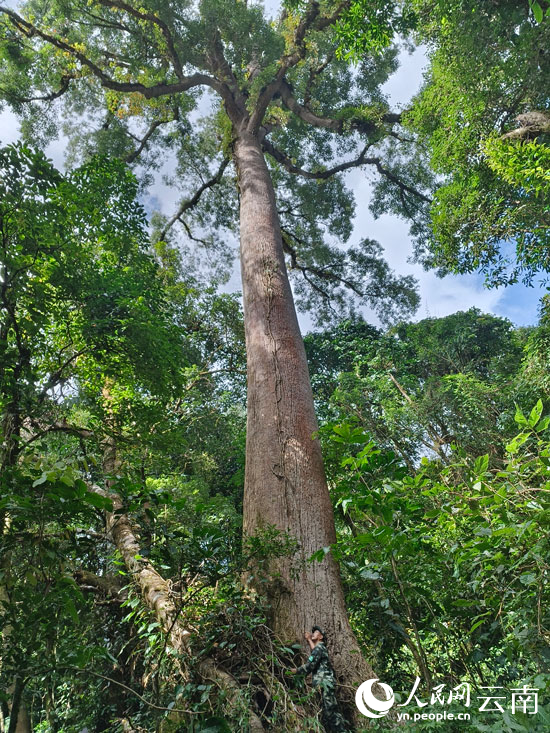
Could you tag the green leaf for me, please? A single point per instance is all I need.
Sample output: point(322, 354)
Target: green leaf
point(387, 514)
point(383, 534)
point(67, 478)
point(543, 424)
point(481, 465)
point(477, 624)
point(537, 11)
point(527, 578)
point(80, 488)
point(519, 417)
point(319, 555)
point(99, 502)
point(514, 444)
point(536, 412)
point(505, 531)
point(365, 538)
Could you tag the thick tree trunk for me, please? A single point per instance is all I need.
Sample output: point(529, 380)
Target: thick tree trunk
point(285, 483)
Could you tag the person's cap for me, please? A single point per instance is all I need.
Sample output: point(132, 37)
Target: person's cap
point(319, 629)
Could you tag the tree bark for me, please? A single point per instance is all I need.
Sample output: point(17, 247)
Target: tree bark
point(285, 484)
point(19, 719)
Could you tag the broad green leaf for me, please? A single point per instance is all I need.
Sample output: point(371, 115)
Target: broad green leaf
point(537, 11)
point(536, 412)
point(97, 501)
point(519, 417)
point(481, 465)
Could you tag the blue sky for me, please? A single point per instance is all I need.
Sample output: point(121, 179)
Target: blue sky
point(439, 296)
point(520, 304)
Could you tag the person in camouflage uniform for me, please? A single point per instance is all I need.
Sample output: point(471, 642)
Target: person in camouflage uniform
point(322, 677)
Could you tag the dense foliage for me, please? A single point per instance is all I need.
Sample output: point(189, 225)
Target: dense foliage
point(438, 469)
point(123, 86)
point(125, 597)
point(484, 115)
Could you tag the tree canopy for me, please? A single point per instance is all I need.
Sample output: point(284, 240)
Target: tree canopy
point(483, 114)
point(142, 77)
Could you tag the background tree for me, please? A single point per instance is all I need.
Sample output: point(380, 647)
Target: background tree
point(426, 559)
point(483, 113)
point(66, 244)
point(81, 376)
point(419, 388)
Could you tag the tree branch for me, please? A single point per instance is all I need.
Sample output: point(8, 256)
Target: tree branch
point(158, 90)
point(323, 273)
point(282, 158)
point(313, 74)
point(174, 58)
point(107, 585)
point(65, 81)
point(305, 114)
point(191, 235)
point(193, 201)
point(144, 140)
point(262, 104)
point(398, 182)
point(359, 161)
point(311, 20)
point(61, 427)
point(56, 376)
point(128, 689)
point(232, 95)
point(329, 123)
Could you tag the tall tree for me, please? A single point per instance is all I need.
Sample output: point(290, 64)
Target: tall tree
point(290, 109)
